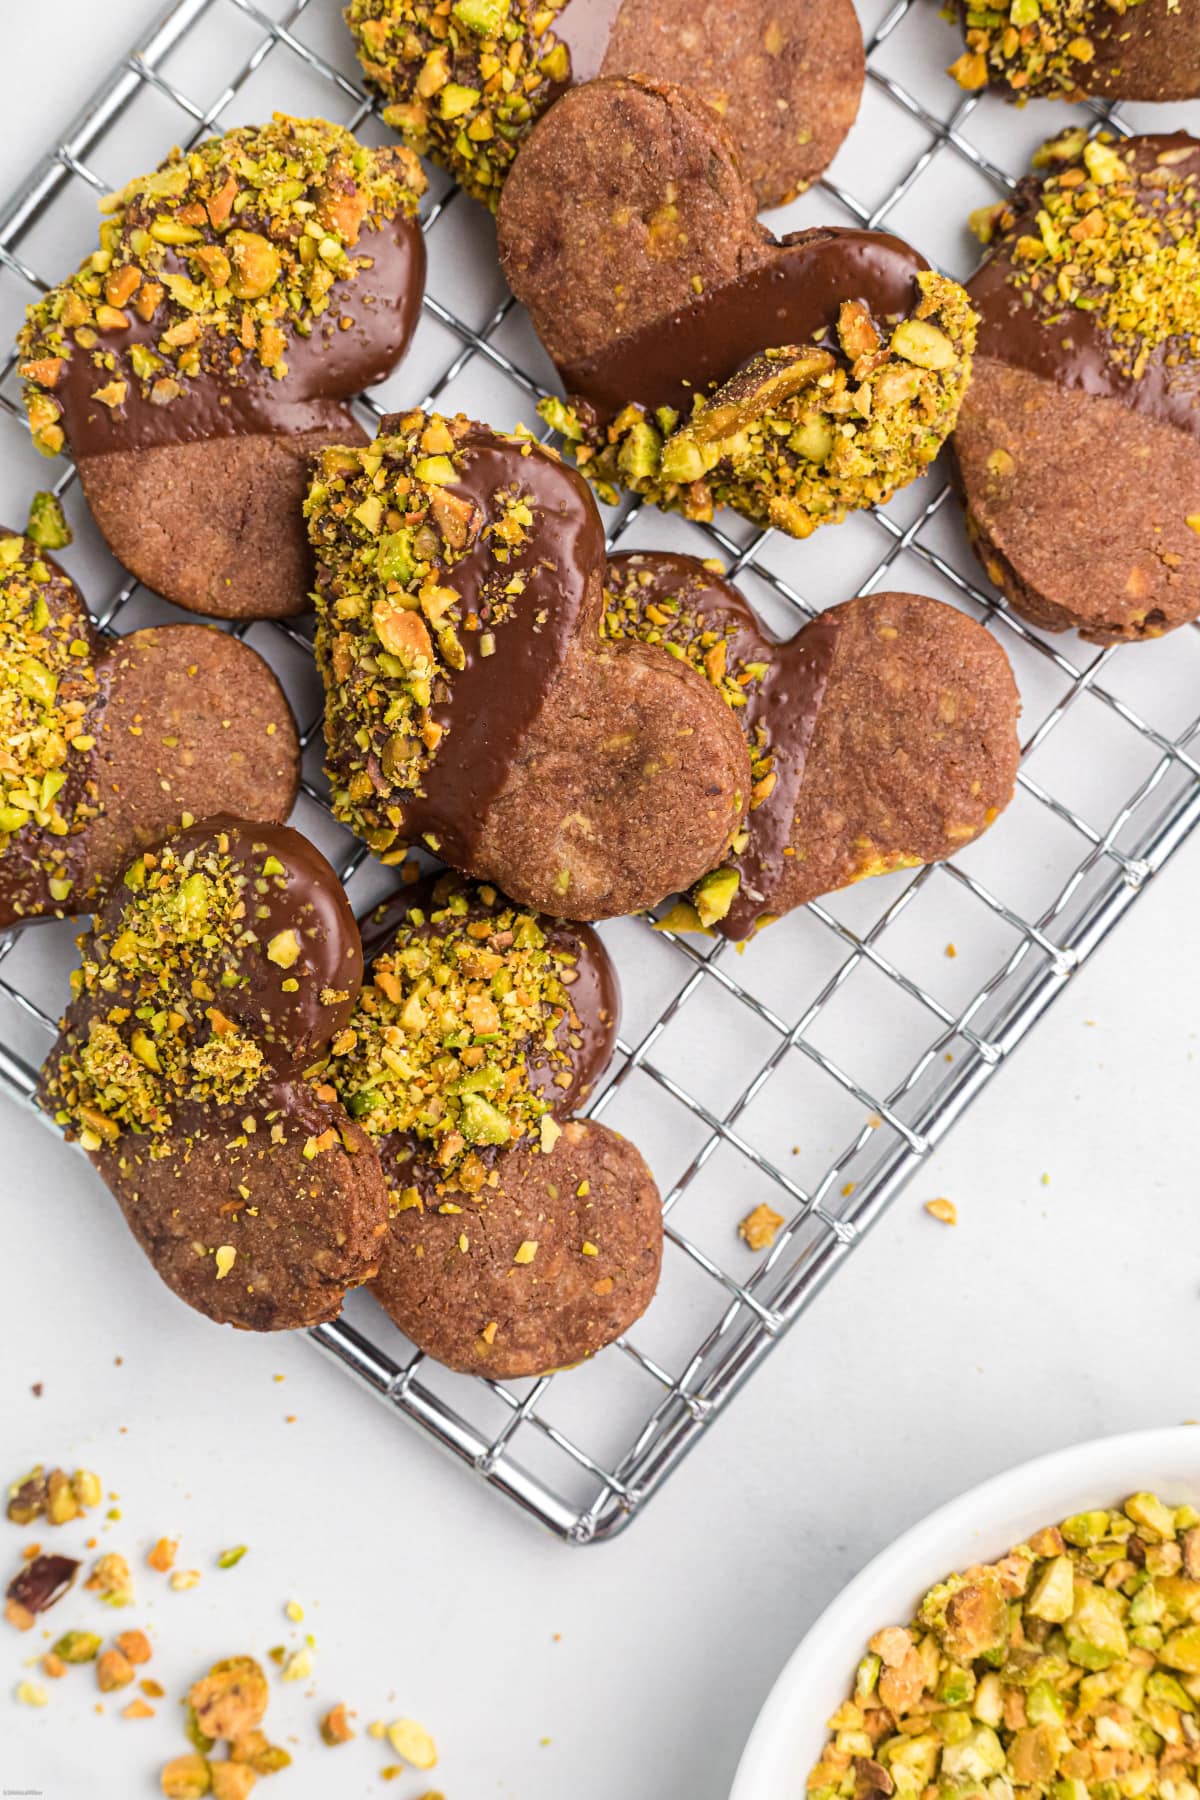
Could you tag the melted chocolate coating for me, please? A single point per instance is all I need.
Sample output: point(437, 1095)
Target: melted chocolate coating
point(791, 297)
point(324, 369)
point(1068, 345)
point(785, 703)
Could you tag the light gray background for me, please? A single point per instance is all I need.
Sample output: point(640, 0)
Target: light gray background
point(1053, 1313)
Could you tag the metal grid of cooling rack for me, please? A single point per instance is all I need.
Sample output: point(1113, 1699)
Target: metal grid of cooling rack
point(852, 1024)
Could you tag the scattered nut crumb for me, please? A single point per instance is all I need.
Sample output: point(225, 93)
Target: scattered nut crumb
point(335, 1726)
point(760, 1227)
point(163, 1554)
point(944, 1211)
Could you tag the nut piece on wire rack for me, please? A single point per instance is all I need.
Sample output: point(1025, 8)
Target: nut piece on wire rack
point(241, 294)
point(707, 363)
point(1078, 445)
point(106, 742)
point(466, 81)
point(521, 1239)
point(223, 967)
point(883, 735)
point(472, 707)
point(1073, 49)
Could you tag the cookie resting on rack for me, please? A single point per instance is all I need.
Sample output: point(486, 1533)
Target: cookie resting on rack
point(521, 1239)
point(105, 743)
point(1078, 445)
point(472, 707)
point(218, 972)
point(705, 362)
point(466, 82)
point(241, 294)
point(882, 736)
point(1076, 49)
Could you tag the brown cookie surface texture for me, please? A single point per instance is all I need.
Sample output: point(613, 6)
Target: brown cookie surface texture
point(466, 83)
point(241, 294)
point(881, 736)
point(219, 971)
point(1070, 49)
point(706, 362)
point(471, 705)
point(105, 743)
point(1078, 446)
point(520, 1239)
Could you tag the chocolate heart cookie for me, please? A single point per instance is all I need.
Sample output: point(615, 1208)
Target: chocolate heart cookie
point(707, 363)
point(220, 970)
point(881, 736)
point(241, 294)
point(1070, 49)
point(471, 705)
point(467, 82)
point(1078, 445)
point(106, 742)
point(520, 1239)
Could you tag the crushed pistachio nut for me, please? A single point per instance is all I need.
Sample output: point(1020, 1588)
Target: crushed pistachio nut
point(760, 1228)
point(227, 251)
point(944, 1211)
point(229, 1559)
point(47, 525)
point(335, 1726)
point(161, 1555)
point(230, 1699)
point(186, 934)
point(1115, 242)
point(53, 1495)
point(112, 1580)
point(448, 1023)
point(413, 1743)
point(799, 436)
point(392, 628)
point(253, 1750)
point(186, 1778)
point(1069, 1668)
point(465, 79)
point(113, 1670)
point(1037, 46)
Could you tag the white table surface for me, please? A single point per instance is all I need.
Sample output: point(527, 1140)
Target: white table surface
point(1052, 1313)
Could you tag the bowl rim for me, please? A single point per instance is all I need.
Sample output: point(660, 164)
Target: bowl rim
point(978, 1511)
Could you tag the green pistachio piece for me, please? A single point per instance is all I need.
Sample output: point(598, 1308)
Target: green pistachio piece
point(47, 525)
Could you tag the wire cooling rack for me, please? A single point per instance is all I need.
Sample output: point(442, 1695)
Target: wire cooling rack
point(817, 1067)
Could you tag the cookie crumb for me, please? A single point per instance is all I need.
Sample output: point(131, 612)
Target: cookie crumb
point(944, 1211)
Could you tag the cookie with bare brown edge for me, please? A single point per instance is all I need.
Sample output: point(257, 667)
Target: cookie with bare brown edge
point(218, 972)
point(241, 294)
point(1073, 49)
point(106, 742)
point(471, 705)
point(521, 1239)
point(465, 83)
point(707, 363)
point(1078, 445)
point(881, 736)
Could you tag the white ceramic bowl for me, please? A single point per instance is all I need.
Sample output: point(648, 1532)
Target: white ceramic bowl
point(979, 1525)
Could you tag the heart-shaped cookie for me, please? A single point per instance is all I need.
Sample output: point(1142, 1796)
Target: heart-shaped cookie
point(471, 705)
point(220, 970)
point(1070, 49)
point(106, 742)
point(466, 83)
point(881, 736)
point(521, 1239)
point(241, 294)
point(706, 362)
point(1078, 445)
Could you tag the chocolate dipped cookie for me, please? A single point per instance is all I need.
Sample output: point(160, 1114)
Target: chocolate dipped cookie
point(1078, 445)
point(472, 707)
point(466, 82)
point(241, 294)
point(1076, 49)
point(881, 736)
point(520, 1239)
point(707, 363)
point(219, 971)
point(106, 742)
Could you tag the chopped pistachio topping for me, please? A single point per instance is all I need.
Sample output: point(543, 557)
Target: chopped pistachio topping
point(181, 950)
point(47, 526)
point(1037, 46)
point(440, 1044)
point(1119, 243)
point(388, 530)
point(1070, 1668)
point(466, 81)
point(227, 251)
point(800, 436)
point(46, 685)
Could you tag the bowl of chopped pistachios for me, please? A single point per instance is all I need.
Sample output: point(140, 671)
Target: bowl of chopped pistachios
point(1037, 1638)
